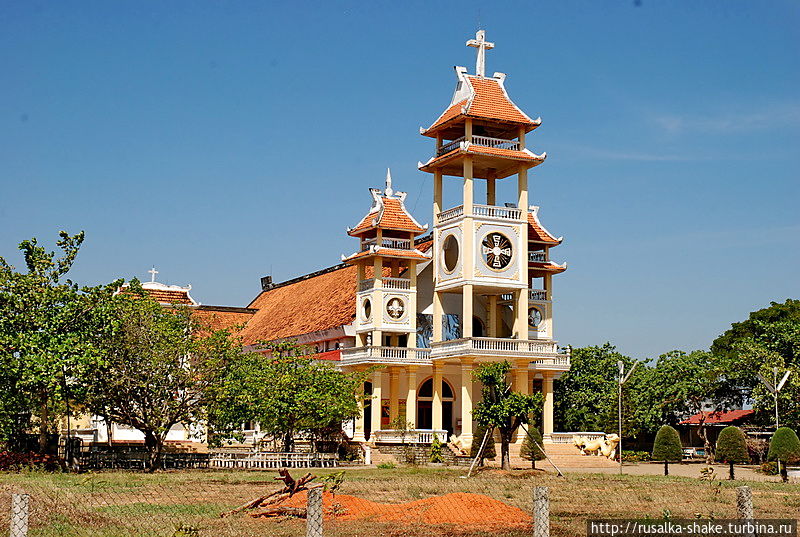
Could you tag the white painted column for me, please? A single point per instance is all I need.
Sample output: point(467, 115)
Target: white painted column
point(523, 386)
point(411, 396)
point(394, 393)
point(547, 413)
point(377, 397)
point(466, 311)
point(358, 434)
point(466, 402)
point(437, 395)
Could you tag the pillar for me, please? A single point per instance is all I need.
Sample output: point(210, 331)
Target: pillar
point(411, 396)
point(377, 398)
point(491, 191)
point(523, 386)
point(547, 413)
point(466, 311)
point(438, 315)
point(466, 402)
point(492, 316)
point(521, 314)
point(394, 394)
point(377, 298)
point(437, 395)
point(358, 434)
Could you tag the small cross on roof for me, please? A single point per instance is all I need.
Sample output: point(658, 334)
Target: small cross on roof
point(153, 273)
point(482, 45)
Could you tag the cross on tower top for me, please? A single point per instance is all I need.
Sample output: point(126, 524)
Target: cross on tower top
point(482, 45)
point(153, 273)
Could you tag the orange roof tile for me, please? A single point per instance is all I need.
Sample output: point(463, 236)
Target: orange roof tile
point(389, 252)
point(220, 317)
point(487, 100)
point(537, 232)
point(387, 212)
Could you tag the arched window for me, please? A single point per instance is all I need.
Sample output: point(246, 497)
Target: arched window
point(426, 390)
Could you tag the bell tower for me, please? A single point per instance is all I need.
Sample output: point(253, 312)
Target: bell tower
point(491, 258)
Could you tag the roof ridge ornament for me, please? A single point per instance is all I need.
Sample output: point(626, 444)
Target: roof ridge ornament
point(388, 192)
point(482, 45)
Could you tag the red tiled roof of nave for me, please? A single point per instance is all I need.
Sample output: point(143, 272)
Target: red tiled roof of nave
point(217, 317)
point(391, 216)
point(712, 418)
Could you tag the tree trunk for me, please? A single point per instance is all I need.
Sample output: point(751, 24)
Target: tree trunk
point(709, 449)
point(44, 419)
point(288, 441)
point(666, 467)
point(533, 463)
point(731, 469)
point(784, 474)
point(154, 445)
point(505, 455)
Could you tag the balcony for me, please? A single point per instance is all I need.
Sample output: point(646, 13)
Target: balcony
point(397, 244)
point(481, 211)
point(402, 284)
point(537, 295)
point(484, 141)
point(385, 355)
point(545, 354)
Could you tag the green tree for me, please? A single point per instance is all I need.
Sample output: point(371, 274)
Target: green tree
point(732, 447)
point(586, 395)
point(530, 449)
point(504, 409)
point(489, 451)
point(44, 351)
point(159, 368)
point(667, 447)
point(769, 337)
point(436, 450)
point(784, 447)
point(285, 392)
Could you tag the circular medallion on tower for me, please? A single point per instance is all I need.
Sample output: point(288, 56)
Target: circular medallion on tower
point(395, 308)
point(366, 309)
point(496, 250)
point(534, 317)
point(450, 253)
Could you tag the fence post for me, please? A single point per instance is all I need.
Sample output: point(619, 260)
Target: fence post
point(744, 506)
point(541, 512)
point(314, 513)
point(19, 515)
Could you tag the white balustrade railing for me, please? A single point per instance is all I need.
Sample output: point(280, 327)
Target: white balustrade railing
point(537, 257)
point(399, 355)
point(449, 146)
point(537, 294)
point(265, 460)
point(569, 438)
point(402, 284)
point(397, 244)
point(411, 436)
point(541, 352)
point(450, 214)
point(493, 211)
point(500, 143)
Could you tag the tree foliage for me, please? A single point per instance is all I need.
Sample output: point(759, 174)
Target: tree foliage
point(159, 367)
point(784, 446)
point(44, 351)
point(284, 391)
point(732, 447)
point(489, 451)
point(667, 446)
point(502, 407)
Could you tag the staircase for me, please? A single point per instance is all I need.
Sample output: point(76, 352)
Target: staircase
point(563, 455)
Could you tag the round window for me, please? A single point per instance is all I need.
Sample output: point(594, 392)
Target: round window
point(496, 250)
point(450, 253)
point(534, 317)
point(366, 308)
point(395, 308)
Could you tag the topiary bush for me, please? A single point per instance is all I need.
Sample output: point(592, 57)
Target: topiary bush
point(784, 447)
point(436, 449)
point(488, 450)
point(529, 450)
point(732, 447)
point(667, 447)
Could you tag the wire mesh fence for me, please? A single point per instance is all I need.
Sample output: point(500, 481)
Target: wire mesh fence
point(366, 502)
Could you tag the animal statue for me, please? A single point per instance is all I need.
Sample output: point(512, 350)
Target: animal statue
point(579, 442)
point(593, 447)
point(458, 443)
point(609, 448)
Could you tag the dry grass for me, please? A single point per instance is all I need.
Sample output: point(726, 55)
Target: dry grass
point(188, 503)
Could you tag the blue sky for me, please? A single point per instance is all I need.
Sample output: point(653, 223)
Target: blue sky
point(222, 142)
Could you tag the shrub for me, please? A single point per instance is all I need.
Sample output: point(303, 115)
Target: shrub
point(784, 447)
point(667, 447)
point(732, 447)
point(436, 449)
point(635, 456)
point(769, 468)
point(529, 450)
point(386, 466)
point(10, 460)
point(488, 451)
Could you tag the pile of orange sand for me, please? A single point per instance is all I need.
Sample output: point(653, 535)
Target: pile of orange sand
point(462, 508)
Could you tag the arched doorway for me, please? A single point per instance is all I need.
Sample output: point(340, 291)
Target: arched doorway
point(425, 405)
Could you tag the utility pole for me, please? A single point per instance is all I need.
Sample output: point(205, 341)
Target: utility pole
point(623, 378)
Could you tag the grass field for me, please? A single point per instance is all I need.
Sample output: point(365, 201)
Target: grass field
point(188, 503)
